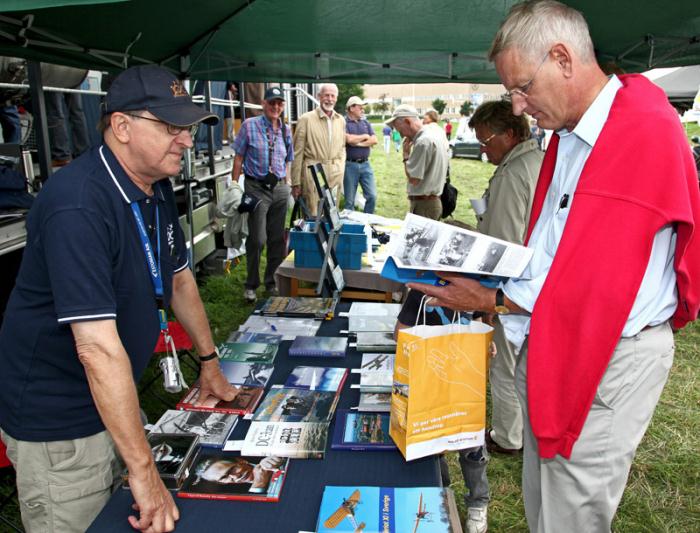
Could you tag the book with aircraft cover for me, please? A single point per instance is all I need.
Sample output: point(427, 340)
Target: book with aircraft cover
point(250, 374)
point(297, 405)
point(248, 352)
point(252, 336)
point(300, 306)
point(328, 347)
point(376, 372)
point(321, 378)
point(172, 455)
point(361, 431)
point(212, 428)
point(376, 342)
point(375, 401)
point(245, 401)
point(298, 440)
point(388, 510)
point(218, 475)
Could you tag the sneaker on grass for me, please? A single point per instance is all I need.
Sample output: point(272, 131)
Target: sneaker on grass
point(249, 295)
point(476, 520)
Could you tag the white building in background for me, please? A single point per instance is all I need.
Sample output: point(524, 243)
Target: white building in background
point(421, 95)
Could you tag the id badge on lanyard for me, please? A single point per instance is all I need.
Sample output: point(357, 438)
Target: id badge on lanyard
point(173, 380)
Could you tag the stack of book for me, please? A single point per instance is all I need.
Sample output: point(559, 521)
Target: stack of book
point(375, 342)
point(388, 510)
point(300, 307)
point(293, 420)
point(172, 454)
point(213, 429)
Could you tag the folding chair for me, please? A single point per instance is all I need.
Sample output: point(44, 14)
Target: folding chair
point(183, 345)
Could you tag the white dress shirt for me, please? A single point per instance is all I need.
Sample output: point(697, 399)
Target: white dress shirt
point(657, 298)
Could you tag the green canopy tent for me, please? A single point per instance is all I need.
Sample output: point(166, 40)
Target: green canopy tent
point(395, 41)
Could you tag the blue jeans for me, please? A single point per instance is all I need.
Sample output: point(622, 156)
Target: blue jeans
point(9, 121)
point(58, 127)
point(359, 173)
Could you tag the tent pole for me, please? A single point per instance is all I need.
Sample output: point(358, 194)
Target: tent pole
point(210, 131)
point(36, 90)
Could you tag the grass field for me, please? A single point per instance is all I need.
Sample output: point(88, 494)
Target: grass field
point(662, 494)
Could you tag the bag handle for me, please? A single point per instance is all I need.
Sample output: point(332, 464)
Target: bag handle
point(456, 316)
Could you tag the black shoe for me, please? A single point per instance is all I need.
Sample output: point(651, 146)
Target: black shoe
point(493, 447)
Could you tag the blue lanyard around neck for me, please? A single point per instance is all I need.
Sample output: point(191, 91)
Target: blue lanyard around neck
point(152, 260)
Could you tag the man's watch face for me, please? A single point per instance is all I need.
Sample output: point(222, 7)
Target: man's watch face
point(502, 310)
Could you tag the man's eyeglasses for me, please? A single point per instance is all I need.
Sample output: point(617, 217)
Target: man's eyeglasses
point(487, 141)
point(523, 89)
point(171, 128)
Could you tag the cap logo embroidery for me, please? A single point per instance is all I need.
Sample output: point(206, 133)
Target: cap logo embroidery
point(178, 88)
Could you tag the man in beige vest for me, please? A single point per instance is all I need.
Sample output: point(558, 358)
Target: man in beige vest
point(505, 138)
point(319, 138)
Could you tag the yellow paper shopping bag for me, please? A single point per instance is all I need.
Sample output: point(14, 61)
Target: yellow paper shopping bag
point(438, 399)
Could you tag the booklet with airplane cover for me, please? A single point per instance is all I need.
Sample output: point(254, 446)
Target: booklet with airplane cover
point(248, 352)
point(251, 374)
point(298, 440)
point(361, 431)
point(321, 378)
point(300, 306)
point(245, 401)
point(172, 454)
point(428, 245)
point(306, 346)
point(375, 342)
point(218, 475)
point(388, 510)
point(376, 372)
point(296, 405)
point(375, 401)
point(212, 428)
point(253, 336)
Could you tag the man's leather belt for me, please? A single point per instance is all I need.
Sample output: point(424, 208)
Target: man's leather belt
point(424, 197)
point(358, 160)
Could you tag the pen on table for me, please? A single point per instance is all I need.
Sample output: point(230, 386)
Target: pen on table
point(272, 326)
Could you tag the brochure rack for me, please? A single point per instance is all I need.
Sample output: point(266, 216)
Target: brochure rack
point(327, 230)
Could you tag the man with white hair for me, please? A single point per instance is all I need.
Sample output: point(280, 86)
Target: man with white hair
point(615, 266)
point(319, 138)
point(426, 158)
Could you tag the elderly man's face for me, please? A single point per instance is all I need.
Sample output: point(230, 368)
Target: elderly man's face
point(235, 471)
point(273, 109)
point(328, 97)
point(545, 101)
point(355, 111)
point(155, 153)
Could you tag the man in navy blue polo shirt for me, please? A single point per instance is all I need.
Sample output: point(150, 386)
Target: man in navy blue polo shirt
point(263, 151)
point(103, 244)
point(359, 138)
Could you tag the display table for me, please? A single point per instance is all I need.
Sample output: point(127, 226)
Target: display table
point(364, 284)
point(300, 501)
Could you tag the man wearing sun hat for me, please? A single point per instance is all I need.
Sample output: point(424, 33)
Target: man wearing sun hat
point(425, 157)
point(104, 254)
point(263, 152)
point(359, 138)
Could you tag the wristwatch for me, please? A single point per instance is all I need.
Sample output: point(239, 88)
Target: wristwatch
point(213, 355)
point(500, 307)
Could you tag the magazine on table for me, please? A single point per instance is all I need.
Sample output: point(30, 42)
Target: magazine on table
point(172, 454)
point(300, 306)
point(248, 352)
point(376, 372)
point(289, 328)
point(372, 309)
point(245, 401)
point(296, 405)
point(252, 336)
point(361, 431)
point(375, 401)
point(375, 342)
point(250, 374)
point(320, 378)
point(218, 475)
point(388, 510)
point(429, 245)
point(371, 324)
point(212, 428)
point(299, 440)
point(308, 346)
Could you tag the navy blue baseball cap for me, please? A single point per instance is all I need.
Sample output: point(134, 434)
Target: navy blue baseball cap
point(157, 90)
point(273, 93)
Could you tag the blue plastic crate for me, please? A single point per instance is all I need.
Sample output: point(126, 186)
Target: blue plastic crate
point(352, 243)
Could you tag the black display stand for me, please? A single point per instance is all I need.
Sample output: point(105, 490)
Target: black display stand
point(327, 230)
